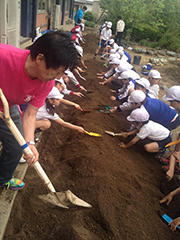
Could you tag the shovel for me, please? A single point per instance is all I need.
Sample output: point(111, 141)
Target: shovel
point(93, 134)
point(65, 199)
point(172, 143)
point(113, 134)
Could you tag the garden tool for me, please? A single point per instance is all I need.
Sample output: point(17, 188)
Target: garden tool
point(113, 134)
point(65, 199)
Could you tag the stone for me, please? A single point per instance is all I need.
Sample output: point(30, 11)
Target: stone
point(170, 53)
point(161, 52)
point(172, 59)
point(163, 87)
point(151, 52)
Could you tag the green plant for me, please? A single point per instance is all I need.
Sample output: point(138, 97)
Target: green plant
point(90, 24)
point(89, 16)
point(170, 41)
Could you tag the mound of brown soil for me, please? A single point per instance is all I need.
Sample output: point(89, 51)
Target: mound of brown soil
point(123, 185)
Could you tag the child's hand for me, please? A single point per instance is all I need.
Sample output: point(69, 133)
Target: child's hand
point(174, 223)
point(82, 88)
point(77, 106)
point(121, 144)
point(176, 155)
point(79, 94)
point(170, 174)
point(101, 77)
point(124, 134)
point(112, 98)
point(80, 130)
point(102, 83)
point(168, 198)
point(112, 90)
point(113, 110)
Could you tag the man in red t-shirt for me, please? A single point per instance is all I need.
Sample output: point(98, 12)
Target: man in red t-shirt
point(28, 76)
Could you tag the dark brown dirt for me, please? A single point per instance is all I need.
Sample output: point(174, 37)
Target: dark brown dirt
point(123, 185)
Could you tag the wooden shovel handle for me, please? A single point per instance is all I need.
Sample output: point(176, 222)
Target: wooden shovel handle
point(12, 127)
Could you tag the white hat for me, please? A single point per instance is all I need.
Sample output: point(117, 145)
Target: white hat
point(115, 61)
point(60, 80)
point(79, 50)
point(112, 51)
point(109, 24)
point(55, 94)
point(78, 35)
point(172, 93)
point(82, 26)
point(112, 56)
point(137, 96)
point(120, 52)
point(138, 115)
point(78, 29)
point(120, 48)
point(143, 82)
point(154, 74)
point(125, 75)
point(111, 41)
point(121, 68)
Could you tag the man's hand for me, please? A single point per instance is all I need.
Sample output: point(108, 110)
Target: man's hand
point(31, 159)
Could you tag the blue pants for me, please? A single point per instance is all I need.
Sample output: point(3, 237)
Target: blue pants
point(11, 152)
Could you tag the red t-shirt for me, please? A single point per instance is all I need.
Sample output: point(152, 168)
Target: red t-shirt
point(17, 87)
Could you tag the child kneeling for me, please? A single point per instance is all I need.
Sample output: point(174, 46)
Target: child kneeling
point(144, 127)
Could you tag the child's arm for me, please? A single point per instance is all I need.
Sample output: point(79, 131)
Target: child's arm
point(67, 102)
point(129, 144)
point(69, 125)
point(127, 134)
point(169, 197)
point(170, 172)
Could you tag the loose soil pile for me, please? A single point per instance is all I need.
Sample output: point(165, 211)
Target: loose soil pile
point(123, 185)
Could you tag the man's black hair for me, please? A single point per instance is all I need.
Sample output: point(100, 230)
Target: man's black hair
point(119, 17)
point(85, 8)
point(57, 48)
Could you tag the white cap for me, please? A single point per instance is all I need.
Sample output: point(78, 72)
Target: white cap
point(60, 80)
point(78, 35)
point(111, 41)
point(137, 96)
point(78, 29)
point(112, 56)
point(172, 93)
point(121, 68)
point(120, 52)
point(143, 82)
point(55, 94)
point(115, 61)
point(120, 48)
point(109, 24)
point(125, 75)
point(138, 115)
point(79, 50)
point(112, 51)
point(82, 26)
point(154, 74)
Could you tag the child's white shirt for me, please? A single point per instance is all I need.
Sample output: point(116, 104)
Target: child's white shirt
point(105, 34)
point(153, 131)
point(42, 114)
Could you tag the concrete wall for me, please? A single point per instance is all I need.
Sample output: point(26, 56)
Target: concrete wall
point(42, 21)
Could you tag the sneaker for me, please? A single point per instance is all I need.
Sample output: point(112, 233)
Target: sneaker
point(166, 161)
point(176, 169)
point(94, 57)
point(162, 153)
point(102, 58)
point(14, 184)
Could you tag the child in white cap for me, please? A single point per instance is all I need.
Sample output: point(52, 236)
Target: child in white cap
point(173, 96)
point(146, 128)
point(114, 64)
point(105, 36)
point(154, 77)
point(128, 85)
point(143, 84)
point(47, 112)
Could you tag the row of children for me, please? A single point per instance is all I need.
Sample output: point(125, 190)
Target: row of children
point(150, 117)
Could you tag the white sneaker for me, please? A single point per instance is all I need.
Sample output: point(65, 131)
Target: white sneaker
point(22, 160)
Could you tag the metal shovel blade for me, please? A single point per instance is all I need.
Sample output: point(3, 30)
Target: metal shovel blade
point(110, 133)
point(66, 200)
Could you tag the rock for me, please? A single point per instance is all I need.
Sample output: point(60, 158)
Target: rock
point(173, 54)
point(151, 52)
point(130, 48)
point(144, 50)
point(161, 52)
point(171, 59)
point(163, 60)
point(137, 50)
point(154, 60)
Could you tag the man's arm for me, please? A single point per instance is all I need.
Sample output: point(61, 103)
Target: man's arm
point(28, 124)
